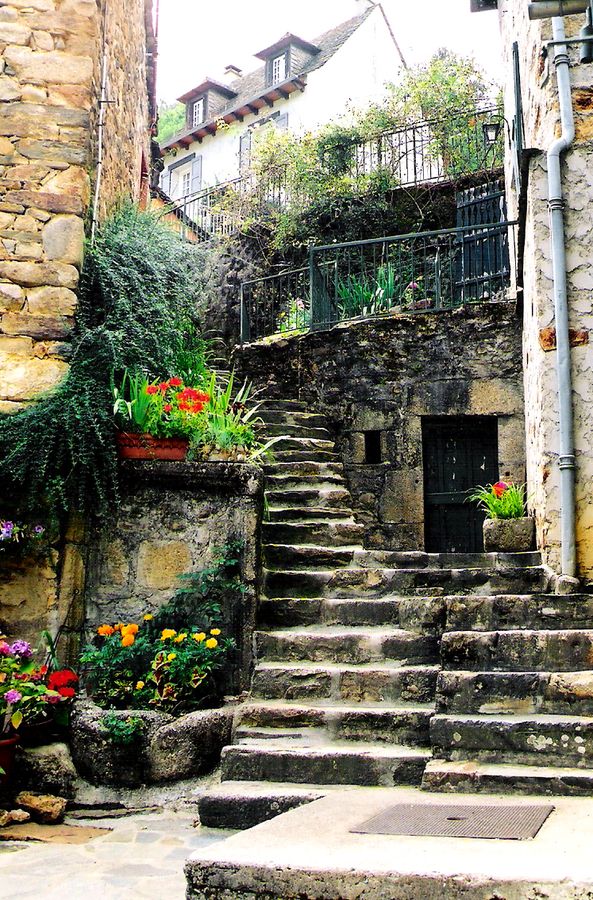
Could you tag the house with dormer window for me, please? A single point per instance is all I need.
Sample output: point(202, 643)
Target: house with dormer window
point(299, 85)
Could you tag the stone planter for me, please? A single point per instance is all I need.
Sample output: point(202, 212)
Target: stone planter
point(509, 535)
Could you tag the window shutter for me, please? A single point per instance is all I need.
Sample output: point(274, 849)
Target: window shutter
point(282, 122)
point(244, 150)
point(166, 181)
point(196, 175)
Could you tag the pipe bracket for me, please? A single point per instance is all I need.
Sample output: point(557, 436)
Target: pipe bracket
point(567, 461)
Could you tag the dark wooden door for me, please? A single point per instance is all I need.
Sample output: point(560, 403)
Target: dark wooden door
point(459, 454)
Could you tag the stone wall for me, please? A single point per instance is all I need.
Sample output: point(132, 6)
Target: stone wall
point(386, 375)
point(172, 518)
point(540, 103)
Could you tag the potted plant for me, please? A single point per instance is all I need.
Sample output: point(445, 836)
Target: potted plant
point(506, 527)
point(156, 418)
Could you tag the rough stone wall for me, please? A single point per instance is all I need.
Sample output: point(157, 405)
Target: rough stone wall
point(386, 375)
point(541, 117)
point(173, 516)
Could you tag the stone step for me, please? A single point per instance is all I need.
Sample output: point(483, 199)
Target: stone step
point(360, 722)
point(348, 645)
point(412, 559)
point(303, 468)
point(518, 651)
point(333, 534)
point(500, 693)
point(353, 582)
point(529, 740)
point(287, 429)
point(298, 417)
point(306, 556)
point(238, 805)
point(351, 763)
point(371, 683)
point(303, 445)
point(308, 515)
point(479, 777)
point(316, 498)
point(414, 613)
point(526, 611)
point(270, 404)
point(322, 456)
point(305, 482)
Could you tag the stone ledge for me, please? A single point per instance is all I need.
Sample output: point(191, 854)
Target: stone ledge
point(244, 479)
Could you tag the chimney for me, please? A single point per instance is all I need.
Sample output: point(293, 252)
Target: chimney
point(231, 72)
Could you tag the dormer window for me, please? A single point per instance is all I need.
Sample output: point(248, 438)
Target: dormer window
point(198, 112)
point(279, 69)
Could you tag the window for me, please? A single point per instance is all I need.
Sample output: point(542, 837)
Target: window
point(198, 112)
point(372, 448)
point(186, 184)
point(279, 69)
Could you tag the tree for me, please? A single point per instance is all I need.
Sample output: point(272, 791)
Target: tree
point(171, 120)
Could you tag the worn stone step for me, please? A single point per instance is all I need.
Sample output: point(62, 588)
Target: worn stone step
point(482, 777)
point(351, 763)
point(298, 417)
point(377, 722)
point(303, 468)
point(414, 613)
point(305, 482)
point(518, 651)
point(524, 611)
point(322, 456)
point(494, 693)
point(288, 429)
point(242, 804)
point(332, 534)
point(307, 515)
point(303, 444)
point(353, 582)
point(412, 559)
point(351, 645)
point(371, 683)
point(306, 556)
point(316, 498)
point(529, 740)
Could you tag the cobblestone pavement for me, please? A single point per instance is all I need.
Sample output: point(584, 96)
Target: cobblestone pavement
point(141, 857)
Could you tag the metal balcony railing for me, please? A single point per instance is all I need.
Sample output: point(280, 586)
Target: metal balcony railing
point(410, 273)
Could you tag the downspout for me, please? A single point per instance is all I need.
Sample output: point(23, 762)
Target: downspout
point(558, 246)
point(100, 126)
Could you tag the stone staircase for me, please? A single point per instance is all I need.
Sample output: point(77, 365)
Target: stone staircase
point(347, 647)
point(514, 706)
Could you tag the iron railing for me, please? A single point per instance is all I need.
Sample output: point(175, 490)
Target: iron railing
point(410, 273)
point(426, 152)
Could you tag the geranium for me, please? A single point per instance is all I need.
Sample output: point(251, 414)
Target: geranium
point(29, 694)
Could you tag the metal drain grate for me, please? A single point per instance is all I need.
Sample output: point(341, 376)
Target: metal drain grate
point(509, 823)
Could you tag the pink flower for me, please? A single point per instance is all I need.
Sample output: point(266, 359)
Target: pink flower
point(499, 488)
point(13, 696)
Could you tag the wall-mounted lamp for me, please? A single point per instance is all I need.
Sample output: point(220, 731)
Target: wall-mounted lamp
point(491, 133)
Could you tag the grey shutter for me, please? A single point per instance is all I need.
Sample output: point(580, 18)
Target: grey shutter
point(166, 181)
point(282, 122)
point(244, 150)
point(196, 175)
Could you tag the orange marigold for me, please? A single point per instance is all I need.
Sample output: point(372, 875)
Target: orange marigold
point(127, 640)
point(105, 630)
point(132, 628)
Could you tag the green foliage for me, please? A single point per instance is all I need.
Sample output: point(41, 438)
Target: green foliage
point(228, 424)
point(500, 500)
point(122, 732)
point(171, 120)
point(137, 298)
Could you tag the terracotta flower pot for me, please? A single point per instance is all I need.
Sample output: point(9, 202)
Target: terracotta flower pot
point(145, 446)
point(7, 754)
point(509, 535)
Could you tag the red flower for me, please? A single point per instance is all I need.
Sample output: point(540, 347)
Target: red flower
point(167, 407)
point(152, 389)
point(184, 407)
point(66, 692)
point(62, 679)
point(204, 398)
point(499, 488)
point(175, 382)
point(164, 386)
point(196, 407)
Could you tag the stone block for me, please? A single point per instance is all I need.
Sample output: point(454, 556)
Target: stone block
point(25, 379)
point(63, 239)
point(45, 808)
point(54, 67)
point(16, 346)
point(70, 95)
point(27, 250)
point(48, 328)
point(58, 203)
point(55, 153)
point(6, 147)
point(42, 40)
point(50, 301)
point(189, 746)
point(12, 297)
point(41, 5)
point(161, 562)
point(33, 274)
point(48, 768)
point(10, 89)
point(33, 93)
point(402, 499)
point(509, 535)
point(14, 33)
point(74, 182)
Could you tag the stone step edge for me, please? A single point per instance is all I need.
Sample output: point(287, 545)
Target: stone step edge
point(541, 719)
point(336, 707)
point(469, 776)
point(331, 749)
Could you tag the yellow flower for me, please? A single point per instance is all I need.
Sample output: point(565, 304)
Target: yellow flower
point(215, 631)
point(211, 643)
point(171, 657)
point(139, 685)
point(199, 637)
point(132, 628)
point(127, 640)
point(167, 633)
point(180, 638)
point(148, 617)
point(105, 630)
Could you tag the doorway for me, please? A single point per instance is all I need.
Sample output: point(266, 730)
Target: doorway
point(460, 453)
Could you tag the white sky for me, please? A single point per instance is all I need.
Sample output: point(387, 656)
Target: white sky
point(200, 37)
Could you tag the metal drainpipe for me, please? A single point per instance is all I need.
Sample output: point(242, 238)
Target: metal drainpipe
point(556, 205)
point(100, 126)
